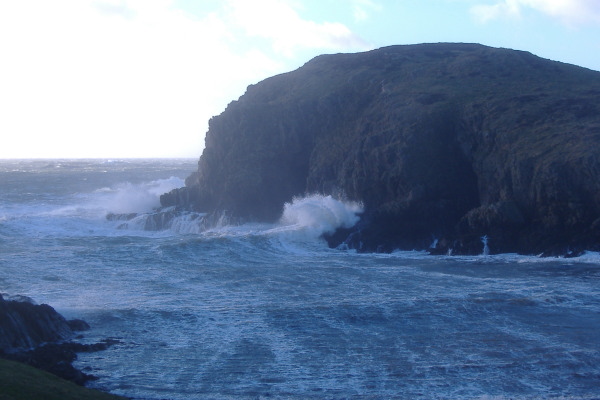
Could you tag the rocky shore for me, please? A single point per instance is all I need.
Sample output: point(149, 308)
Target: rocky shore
point(443, 144)
point(39, 336)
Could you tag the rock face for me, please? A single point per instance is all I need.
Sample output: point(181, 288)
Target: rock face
point(444, 142)
point(24, 325)
point(37, 335)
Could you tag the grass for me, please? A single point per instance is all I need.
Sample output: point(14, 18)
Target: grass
point(22, 382)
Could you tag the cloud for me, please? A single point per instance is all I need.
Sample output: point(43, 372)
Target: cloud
point(89, 78)
point(279, 23)
point(114, 8)
point(79, 80)
point(484, 13)
point(361, 9)
point(569, 12)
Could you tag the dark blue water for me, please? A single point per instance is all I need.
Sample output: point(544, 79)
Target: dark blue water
point(268, 311)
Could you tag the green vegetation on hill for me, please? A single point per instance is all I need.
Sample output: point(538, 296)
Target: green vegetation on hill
point(22, 382)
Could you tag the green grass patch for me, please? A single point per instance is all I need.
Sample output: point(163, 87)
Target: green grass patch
point(22, 382)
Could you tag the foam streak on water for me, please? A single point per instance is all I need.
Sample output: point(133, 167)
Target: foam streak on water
point(257, 311)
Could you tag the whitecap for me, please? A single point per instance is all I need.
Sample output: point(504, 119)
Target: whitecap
point(319, 214)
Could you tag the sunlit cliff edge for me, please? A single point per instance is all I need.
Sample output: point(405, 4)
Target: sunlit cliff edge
point(441, 143)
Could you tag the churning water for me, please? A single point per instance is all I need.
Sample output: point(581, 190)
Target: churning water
point(268, 311)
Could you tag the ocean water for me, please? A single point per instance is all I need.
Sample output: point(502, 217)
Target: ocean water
point(268, 311)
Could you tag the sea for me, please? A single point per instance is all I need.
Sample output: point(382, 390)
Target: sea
point(269, 311)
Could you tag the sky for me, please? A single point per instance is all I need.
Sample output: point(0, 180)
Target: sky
point(142, 78)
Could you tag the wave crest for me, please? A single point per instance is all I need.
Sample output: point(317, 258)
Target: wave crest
point(303, 220)
point(320, 214)
point(136, 198)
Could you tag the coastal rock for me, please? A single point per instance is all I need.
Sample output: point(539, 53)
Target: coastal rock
point(37, 335)
point(442, 143)
point(24, 325)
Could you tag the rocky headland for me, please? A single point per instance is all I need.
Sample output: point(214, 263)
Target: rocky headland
point(442, 143)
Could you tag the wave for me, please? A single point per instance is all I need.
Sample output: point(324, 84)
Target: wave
point(303, 222)
point(128, 197)
point(320, 214)
point(122, 198)
point(587, 257)
point(85, 213)
point(304, 219)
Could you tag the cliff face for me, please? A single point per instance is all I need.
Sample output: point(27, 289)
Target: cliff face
point(445, 141)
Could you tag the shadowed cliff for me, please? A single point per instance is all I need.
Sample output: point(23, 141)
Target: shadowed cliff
point(442, 143)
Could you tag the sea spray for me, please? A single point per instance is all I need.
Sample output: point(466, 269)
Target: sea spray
point(303, 218)
point(320, 214)
point(137, 198)
point(486, 248)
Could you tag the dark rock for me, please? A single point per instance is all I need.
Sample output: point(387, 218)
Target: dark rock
point(78, 325)
point(162, 218)
point(37, 334)
point(121, 217)
point(57, 358)
point(24, 325)
point(444, 141)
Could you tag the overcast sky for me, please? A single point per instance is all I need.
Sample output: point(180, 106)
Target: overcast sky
point(141, 78)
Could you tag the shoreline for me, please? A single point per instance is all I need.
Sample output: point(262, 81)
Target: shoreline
point(38, 338)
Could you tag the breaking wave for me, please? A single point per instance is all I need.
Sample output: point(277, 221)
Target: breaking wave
point(135, 198)
point(83, 212)
point(320, 214)
point(304, 218)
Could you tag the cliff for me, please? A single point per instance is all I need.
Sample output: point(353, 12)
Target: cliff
point(442, 143)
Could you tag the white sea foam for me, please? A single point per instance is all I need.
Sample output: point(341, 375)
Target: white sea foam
point(320, 214)
point(122, 198)
point(304, 219)
point(137, 198)
point(589, 257)
point(79, 214)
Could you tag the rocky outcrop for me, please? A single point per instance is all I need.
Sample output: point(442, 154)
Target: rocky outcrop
point(442, 143)
point(24, 325)
point(38, 335)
